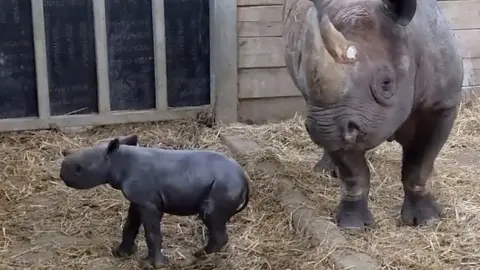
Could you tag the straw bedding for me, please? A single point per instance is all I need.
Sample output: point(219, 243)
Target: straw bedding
point(45, 225)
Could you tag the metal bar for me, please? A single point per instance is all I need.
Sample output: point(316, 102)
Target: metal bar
point(158, 16)
point(101, 51)
point(41, 70)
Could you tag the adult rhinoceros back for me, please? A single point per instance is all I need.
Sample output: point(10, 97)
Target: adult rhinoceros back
point(372, 70)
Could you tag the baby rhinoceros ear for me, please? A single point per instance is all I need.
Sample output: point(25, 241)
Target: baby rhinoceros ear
point(130, 140)
point(66, 152)
point(113, 146)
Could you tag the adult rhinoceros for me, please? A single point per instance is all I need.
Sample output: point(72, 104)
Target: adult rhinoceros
point(371, 71)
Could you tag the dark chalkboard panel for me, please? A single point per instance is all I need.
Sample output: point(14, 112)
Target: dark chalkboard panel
point(18, 96)
point(70, 41)
point(187, 33)
point(130, 54)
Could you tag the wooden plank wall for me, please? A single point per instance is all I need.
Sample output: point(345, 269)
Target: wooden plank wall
point(463, 16)
point(262, 73)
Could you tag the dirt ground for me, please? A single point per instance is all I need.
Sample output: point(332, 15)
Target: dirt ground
point(452, 243)
point(45, 225)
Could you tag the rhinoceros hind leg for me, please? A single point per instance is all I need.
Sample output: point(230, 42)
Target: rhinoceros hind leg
point(419, 154)
point(326, 165)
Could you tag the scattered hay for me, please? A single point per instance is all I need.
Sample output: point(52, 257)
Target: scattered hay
point(45, 225)
point(453, 243)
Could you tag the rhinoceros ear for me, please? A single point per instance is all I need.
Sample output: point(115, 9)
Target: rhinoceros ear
point(113, 146)
point(66, 152)
point(401, 11)
point(129, 140)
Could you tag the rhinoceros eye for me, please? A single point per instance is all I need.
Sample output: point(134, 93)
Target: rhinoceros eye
point(386, 84)
point(383, 86)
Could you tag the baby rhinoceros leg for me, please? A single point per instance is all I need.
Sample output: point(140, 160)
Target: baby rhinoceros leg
point(151, 220)
point(222, 203)
point(130, 231)
point(419, 154)
point(215, 217)
point(218, 237)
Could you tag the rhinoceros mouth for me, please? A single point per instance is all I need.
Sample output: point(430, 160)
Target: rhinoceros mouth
point(331, 137)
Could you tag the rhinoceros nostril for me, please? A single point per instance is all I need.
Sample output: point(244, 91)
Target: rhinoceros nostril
point(351, 131)
point(352, 126)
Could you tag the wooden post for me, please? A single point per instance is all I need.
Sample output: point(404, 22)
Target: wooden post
point(223, 59)
point(158, 16)
point(41, 70)
point(101, 51)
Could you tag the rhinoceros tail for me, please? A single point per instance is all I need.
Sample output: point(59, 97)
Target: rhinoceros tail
point(247, 193)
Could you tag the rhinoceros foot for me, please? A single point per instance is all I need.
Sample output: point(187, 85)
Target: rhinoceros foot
point(354, 215)
point(155, 262)
point(124, 250)
point(326, 165)
point(420, 209)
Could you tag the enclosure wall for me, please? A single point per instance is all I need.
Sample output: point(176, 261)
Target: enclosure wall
point(265, 90)
point(98, 62)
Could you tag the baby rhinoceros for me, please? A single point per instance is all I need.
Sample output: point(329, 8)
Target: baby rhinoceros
point(158, 181)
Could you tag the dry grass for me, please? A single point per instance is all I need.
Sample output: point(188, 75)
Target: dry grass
point(453, 243)
point(45, 225)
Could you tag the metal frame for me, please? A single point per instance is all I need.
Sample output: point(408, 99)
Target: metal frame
point(223, 72)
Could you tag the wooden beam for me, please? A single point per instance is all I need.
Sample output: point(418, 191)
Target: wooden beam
point(471, 69)
point(259, 29)
point(158, 14)
point(268, 110)
point(462, 14)
point(260, 52)
point(116, 117)
point(468, 42)
point(259, 2)
point(101, 51)
point(41, 69)
point(260, 21)
point(471, 93)
point(260, 14)
point(223, 59)
point(265, 82)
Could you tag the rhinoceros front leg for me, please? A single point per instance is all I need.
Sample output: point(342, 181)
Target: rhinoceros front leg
point(419, 154)
point(325, 165)
point(353, 211)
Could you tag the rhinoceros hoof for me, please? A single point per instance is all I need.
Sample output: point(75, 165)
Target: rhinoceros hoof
point(354, 215)
point(156, 262)
point(124, 251)
point(420, 210)
point(328, 167)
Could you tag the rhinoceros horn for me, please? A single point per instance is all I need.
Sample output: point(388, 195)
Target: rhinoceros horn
point(316, 52)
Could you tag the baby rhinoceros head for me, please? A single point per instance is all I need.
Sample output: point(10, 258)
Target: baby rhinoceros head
point(90, 166)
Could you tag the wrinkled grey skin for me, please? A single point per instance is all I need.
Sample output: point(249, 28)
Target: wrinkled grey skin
point(402, 81)
point(158, 181)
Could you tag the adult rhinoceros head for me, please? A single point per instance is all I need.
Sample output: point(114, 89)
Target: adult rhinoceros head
point(354, 63)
